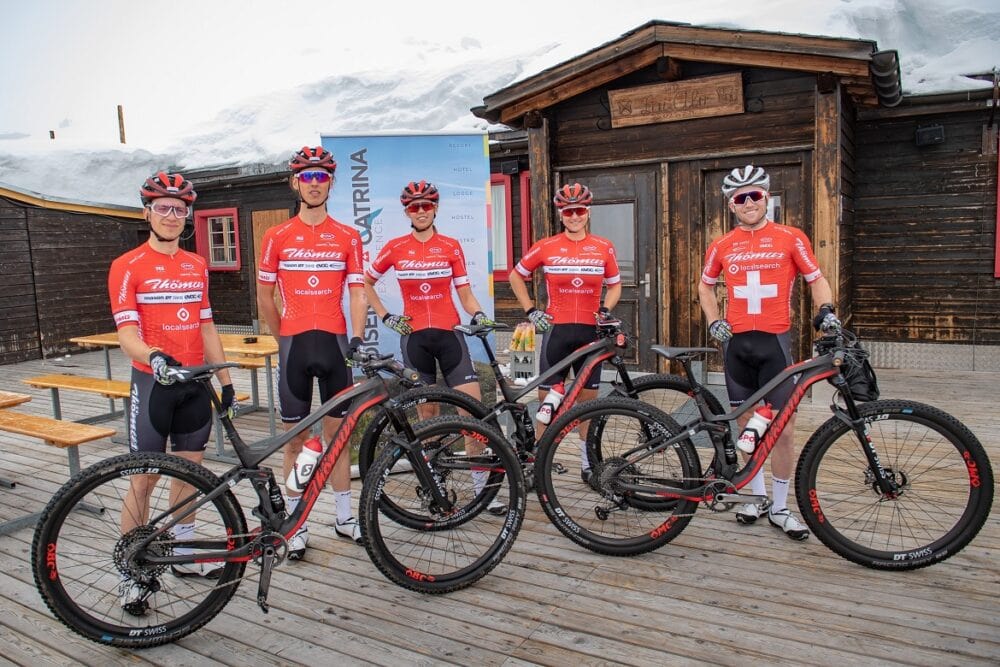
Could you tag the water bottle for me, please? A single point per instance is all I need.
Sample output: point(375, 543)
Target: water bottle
point(755, 428)
point(551, 403)
point(304, 466)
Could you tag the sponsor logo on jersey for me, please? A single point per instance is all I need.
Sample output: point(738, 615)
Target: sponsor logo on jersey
point(172, 284)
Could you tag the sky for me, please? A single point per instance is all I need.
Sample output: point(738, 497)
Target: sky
point(205, 82)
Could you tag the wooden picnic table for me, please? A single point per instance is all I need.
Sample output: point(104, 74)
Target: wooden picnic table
point(9, 399)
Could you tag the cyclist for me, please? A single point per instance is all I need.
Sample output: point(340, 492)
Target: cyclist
point(761, 260)
point(309, 259)
point(428, 264)
point(577, 266)
point(159, 300)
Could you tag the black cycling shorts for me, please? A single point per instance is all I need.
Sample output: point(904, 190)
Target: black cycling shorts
point(304, 356)
point(752, 359)
point(421, 349)
point(181, 411)
point(561, 341)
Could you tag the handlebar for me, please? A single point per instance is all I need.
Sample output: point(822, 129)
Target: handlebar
point(196, 373)
point(372, 364)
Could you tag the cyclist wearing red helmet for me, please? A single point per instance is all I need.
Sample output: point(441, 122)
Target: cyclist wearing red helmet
point(309, 260)
point(159, 300)
point(761, 261)
point(577, 266)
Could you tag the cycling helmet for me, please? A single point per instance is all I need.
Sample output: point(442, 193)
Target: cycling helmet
point(167, 185)
point(312, 158)
point(742, 177)
point(573, 194)
point(419, 191)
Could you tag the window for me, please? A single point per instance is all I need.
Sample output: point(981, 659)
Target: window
point(217, 238)
point(616, 222)
point(502, 239)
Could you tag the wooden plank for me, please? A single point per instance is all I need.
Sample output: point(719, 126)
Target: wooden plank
point(56, 432)
point(826, 189)
point(703, 97)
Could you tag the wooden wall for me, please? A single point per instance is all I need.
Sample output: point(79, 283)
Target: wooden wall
point(848, 179)
point(925, 230)
point(55, 266)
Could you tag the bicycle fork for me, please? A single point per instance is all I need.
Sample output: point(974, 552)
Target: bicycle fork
point(881, 479)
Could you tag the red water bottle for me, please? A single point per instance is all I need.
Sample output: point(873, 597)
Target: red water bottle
point(754, 430)
point(305, 465)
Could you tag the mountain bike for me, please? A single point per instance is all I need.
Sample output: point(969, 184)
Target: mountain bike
point(79, 558)
point(670, 393)
point(888, 484)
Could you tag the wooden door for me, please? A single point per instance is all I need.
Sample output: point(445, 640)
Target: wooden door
point(699, 213)
point(625, 212)
point(261, 221)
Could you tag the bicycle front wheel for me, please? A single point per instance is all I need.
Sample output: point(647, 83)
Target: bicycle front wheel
point(81, 560)
point(450, 548)
point(596, 511)
point(945, 486)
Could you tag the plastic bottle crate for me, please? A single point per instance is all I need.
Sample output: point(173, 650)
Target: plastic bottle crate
point(523, 365)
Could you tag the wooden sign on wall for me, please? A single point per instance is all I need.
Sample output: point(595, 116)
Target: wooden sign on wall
point(680, 100)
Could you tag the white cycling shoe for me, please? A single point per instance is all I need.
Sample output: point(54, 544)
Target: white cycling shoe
point(211, 570)
point(297, 544)
point(349, 529)
point(791, 526)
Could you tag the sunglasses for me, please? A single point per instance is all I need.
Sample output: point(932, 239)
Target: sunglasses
point(314, 176)
point(753, 195)
point(166, 209)
point(576, 211)
point(419, 207)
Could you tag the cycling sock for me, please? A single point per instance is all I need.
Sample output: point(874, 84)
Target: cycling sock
point(343, 502)
point(757, 486)
point(478, 481)
point(183, 531)
point(779, 490)
point(584, 460)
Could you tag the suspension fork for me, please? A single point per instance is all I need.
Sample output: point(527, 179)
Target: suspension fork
point(852, 417)
point(407, 439)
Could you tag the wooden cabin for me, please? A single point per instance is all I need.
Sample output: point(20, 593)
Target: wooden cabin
point(903, 226)
point(55, 256)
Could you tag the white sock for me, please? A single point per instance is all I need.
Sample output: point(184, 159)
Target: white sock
point(757, 486)
point(183, 531)
point(479, 478)
point(779, 489)
point(291, 502)
point(584, 461)
point(343, 502)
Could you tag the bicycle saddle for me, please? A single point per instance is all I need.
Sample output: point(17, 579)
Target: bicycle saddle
point(681, 352)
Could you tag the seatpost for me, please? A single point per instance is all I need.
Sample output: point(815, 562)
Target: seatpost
point(508, 393)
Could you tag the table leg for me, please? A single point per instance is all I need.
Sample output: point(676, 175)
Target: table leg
point(56, 407)
point(270, 393)
point(254, 390)
point(107, 374)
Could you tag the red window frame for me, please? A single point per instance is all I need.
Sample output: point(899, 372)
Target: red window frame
point(501, 275)
point(201, 242)
point(525, 182)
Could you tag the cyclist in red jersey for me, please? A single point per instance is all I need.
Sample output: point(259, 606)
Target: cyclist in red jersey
point(577, 266)
point(761, 261)
point(309, 260)
point(428, 265)
point(159, 300)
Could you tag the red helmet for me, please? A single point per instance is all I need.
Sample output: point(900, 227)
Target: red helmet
point(167, 185)
point(312, 158)
point(419, 191)
point(573, 194)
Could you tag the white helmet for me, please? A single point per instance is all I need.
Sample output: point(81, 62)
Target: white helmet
point(748, 175)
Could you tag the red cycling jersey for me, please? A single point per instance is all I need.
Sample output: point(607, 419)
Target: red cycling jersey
point(166, 296)
point(310, 264)
point(426, 270)
point(760, 266)
point(575, 272)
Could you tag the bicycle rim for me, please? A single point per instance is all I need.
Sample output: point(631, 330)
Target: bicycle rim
point(598, 514)
point(79, 556)
point(443, 553)
point(945, 480)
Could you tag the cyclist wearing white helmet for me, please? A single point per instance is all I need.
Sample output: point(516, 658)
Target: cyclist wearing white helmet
point(761, 261)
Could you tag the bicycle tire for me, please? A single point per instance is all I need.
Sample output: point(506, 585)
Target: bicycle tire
point(945, 477)
point(670, 394)
point(78, 556)
point(596, 515)
point(450, 552)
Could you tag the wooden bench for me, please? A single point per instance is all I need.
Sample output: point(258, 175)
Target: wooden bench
point(56, 432)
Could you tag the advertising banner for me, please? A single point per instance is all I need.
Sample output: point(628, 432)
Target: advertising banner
point(372, 169)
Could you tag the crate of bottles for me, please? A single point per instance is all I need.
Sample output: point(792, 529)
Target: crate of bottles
point(523, 358)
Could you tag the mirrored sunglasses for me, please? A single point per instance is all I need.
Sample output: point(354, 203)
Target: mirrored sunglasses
point(576, 211)
point(753, 195)
point(314, 176)
point(419, 207)
point(166, 209)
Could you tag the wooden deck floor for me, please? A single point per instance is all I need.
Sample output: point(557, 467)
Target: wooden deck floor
point(720, 593)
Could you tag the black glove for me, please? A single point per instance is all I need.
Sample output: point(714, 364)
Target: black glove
point(480, 319)
point(398, 323)
point(541, 319)
point(228, 400)
point(354, 357)
point(825, 318)
point(604, 314)
point(720, 330)
point(160, 362)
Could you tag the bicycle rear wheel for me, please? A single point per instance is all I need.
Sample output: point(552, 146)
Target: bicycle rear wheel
point(79, 556)
point(445, 551)
point(944, 478)
point(599, 514)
